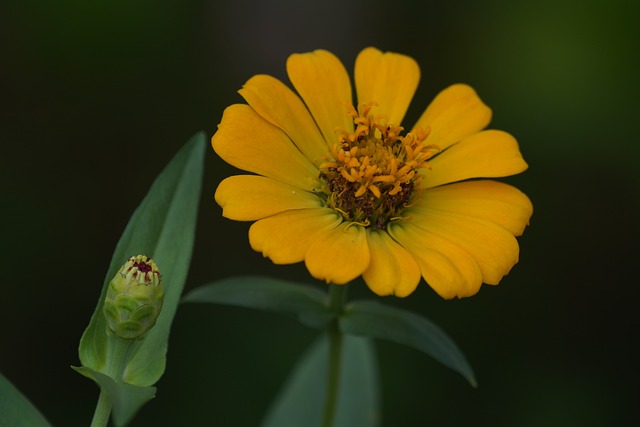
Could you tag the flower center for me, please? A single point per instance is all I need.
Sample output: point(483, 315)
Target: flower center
point(141, 268)
point(373, 172)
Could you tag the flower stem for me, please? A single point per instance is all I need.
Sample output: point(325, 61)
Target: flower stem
point(118, 351)
point(103, 410)
point(337, 298)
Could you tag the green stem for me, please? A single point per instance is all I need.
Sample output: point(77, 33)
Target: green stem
point(337, 298)
point(118, 351)
point(103, 410)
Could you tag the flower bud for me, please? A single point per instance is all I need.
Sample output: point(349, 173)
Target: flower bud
point(134, 298)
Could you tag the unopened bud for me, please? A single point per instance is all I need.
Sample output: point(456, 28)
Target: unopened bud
point(134, 298)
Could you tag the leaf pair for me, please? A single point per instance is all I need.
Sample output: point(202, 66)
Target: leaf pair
point(359, 318)
point(303, 395)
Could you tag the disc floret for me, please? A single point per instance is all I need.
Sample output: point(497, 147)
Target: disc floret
point(373, 173)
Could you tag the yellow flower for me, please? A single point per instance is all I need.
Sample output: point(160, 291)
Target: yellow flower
point(346, 190)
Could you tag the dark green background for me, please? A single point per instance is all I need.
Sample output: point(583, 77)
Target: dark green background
point(98, 96)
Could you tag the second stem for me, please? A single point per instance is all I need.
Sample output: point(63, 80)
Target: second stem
point(337, 298)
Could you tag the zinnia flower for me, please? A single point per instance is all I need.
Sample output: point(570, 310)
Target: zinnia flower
point(346, 190)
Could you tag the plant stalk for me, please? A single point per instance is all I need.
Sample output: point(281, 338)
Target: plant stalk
point(103, 410)
point(337, 299)
point(118, 352)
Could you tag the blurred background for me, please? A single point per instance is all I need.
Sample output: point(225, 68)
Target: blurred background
point(98, 96)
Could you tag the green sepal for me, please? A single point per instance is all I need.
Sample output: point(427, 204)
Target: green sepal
point(372, 319)
point(126, 399)
point(16, 410)
point(163, 228)
point(309, 305)
point(302, 397)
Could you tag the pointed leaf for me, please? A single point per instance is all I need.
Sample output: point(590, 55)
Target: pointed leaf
point(308, 304)
point(16, 410)
point(372, 319)
point(301, 400)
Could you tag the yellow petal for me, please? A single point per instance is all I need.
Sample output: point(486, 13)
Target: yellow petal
point(286, 237)
point(392, 270)
point(494, 248)
point(454, 113)
point(448, 269)
point(493, 201)
point(250, 197)
point(247, 141)
point(324, 85)
point(340, 255)
point(276, 103)
point(390, 79)
point(487, 154)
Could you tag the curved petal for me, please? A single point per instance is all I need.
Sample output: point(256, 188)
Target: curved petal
point(340, 255)
point(250, 197)
point(392, 270)
point(487, 154)
point(390, 79)
point(448, 269)
point(493, 201)
point(276, 103)
point(247, 141)
point(454, 113)
point(286, 237)
point(324, 85)
point(494, 248)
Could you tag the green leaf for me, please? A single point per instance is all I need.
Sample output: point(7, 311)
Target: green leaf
point(163, 228)
point(16, 410)
point(308, 304)
point(125, 398)
point(372, 319)
point(301, 400)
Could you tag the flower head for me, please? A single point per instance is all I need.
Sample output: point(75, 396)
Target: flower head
point(347, 189)
point(134, 299)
